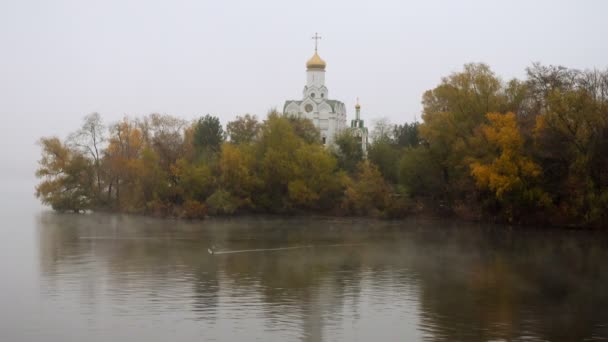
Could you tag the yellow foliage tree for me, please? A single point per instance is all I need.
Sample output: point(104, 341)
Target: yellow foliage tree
point(237, 167)
point(67, 177)
point(367, 193)
point(125, 146)
point(508, 173)
point(316, 181)
point(194, 181)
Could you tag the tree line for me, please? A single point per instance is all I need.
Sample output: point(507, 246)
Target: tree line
point(518, 151)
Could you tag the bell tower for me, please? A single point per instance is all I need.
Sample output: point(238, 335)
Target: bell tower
point(315, 75)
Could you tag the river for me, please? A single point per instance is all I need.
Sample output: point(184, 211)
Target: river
point(103, 277)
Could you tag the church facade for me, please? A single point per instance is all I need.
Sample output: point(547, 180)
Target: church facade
point(329, 116)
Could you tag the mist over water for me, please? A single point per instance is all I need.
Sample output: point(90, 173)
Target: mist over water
point(99, 277)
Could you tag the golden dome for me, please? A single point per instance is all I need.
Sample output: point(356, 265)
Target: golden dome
point(315, 62)
point(358, 106)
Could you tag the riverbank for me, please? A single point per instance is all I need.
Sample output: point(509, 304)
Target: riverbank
point(417, 211)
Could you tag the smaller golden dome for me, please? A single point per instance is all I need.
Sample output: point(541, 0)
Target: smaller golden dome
point(357, 106)
point(315, 62)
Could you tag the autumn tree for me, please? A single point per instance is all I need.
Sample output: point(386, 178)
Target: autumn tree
point(420, 174)
point(67, 177)
point(165, 135)
point(384, 151)
point(507, 172)
point(570, 138)
point(125, 145)
point(237, 172)
point(194, 181)
point(305, 129)
point(348, 150)
point(277, 161)
point(452, 112)
point(208, 134)
point(367, 193)
point(90, 140)
point(382, 131)
point(243, 130)
point(406, 135)
point(316, 183)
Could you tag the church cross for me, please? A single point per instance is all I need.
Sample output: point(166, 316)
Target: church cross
point(316, 37)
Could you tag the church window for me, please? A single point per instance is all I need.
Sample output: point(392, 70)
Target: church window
point(324, 139)
point(308, 108)
point(322, 95)
point(312, 95)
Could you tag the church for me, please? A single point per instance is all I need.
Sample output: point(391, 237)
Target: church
point(329, 116)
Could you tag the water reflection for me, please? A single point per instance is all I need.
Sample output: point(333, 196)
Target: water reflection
point(412, 280)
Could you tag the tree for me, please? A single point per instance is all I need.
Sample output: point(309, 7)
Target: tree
point(151, 184)
point(386, 149)
point(367, 193)
point(349, 151)
point(316, 184)
point(125, 145)
point(277, 161)
point(570, 139)
point(406, 135)
point(221, 202)
point(508, 174)
point(382, 131)
point(165, 135)
point(208, 134)
point(237, 171)
point(193, 181)
point(90, 139)
point(384, 154)
point(305, 129)
point(452, 112)
point(243, 130)
point(67, 177)
point(420, 173)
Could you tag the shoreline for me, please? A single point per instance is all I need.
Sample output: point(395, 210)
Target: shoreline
point(320, 216)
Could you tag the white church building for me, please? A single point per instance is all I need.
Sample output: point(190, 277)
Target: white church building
point(329, 116)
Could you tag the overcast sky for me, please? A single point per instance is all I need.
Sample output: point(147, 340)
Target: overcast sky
point(60, 60)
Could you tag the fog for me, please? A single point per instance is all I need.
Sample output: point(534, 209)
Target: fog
point(60, 60)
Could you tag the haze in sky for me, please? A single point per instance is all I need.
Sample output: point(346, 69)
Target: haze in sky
point(60, 60)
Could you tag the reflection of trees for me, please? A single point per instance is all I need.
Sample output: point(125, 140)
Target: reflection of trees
point(133, 258)
point(512, 285)
point(163, 261)
point(468, 284)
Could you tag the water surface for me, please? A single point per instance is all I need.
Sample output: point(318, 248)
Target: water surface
point(102, 277)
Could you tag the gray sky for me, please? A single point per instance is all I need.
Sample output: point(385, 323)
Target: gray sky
point(60, 60)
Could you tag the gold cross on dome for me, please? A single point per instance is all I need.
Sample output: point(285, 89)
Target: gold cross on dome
point(316, 37)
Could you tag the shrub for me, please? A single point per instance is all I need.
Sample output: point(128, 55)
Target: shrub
point(193, 210)
point(221, 202)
